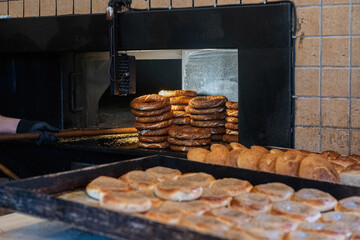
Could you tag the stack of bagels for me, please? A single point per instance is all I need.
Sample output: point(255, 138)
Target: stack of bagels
point(209, 113)
point(153, 118)
point(232, 120)
point(185, 138)
point(179, 99)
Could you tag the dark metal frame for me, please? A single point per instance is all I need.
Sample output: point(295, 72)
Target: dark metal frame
point(262, 34)
point(35, 197)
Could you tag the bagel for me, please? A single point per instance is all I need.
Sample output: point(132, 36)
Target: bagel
point(233, 186)
point(180, 114)
point(218, 155)
point(178, 148)
point(178, 107)
point(236, 145)
point(180, 100)
point(208, 102)
point(189, 133)
point(149, 102)
point(195, 142)
point(178, 190)
point(232, 113)
point(177, 93)
point(139, 180)
point(216, 130)
point(330, 155)
point(132, 202)
point(251, 203)
point(102, 185)
point(153, 119)
point(289, 162)
point(337, 231)
point(165, 215)
point(203, 111)
point(189, 208)
point(230, 138)
point(154, 145)
point(232, 132)
point(296, 211)
point(215, 197)
point(267, 162)
point(232, 126)
point(164, 173)
point(197, 154)
point(150, 113)
point(151, 126)
point(339, 168)
point(349, 205)
point(152, 139)
point(212, 123)
point(353, 221)
point(257, 230)
point(229, 216)
point(198, 178)
point(343, 161)
point(217, 137)
point(216, 147)
point(155, 132)
point(232, 105)
point(318, 168)
point(301, 235)
point(181, 121)
point(233, 156)
point(206, 117)
point(249, 159)
point(204, 224)
point(274, 191)
point(278, 222)
point(315, 198)
point(232, 119)
point(355, 157)
point(155, 201)
point(259, 148)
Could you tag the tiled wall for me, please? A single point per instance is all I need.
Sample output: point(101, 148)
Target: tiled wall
point(327, 74)
point(35, 8)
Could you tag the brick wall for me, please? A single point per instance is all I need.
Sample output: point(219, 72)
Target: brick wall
point(327, 74)
point(35, 8)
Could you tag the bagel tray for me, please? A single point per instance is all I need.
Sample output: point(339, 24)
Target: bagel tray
point(53, 196)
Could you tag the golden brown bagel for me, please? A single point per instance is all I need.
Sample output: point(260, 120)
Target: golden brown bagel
point(189, 132)
point(149, 113)
point(207, 102)
point(151, 119)
point(149, 102)
point(177, 93)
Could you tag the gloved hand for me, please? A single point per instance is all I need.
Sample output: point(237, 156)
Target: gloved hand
point(26, 126)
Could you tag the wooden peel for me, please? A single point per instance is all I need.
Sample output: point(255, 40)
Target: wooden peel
point(76, 133)
point(8, 172)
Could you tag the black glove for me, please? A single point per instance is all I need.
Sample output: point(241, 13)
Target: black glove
point(26, 126)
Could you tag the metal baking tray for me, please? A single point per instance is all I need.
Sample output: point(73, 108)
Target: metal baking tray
point(38, 197)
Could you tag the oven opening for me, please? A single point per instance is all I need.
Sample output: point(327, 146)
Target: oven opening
point(207, 71)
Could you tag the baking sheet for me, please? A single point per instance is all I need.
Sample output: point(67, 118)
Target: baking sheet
point(39, 196)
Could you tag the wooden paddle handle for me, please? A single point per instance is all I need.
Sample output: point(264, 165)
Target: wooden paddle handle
point(8, 172)
point(76, 133)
